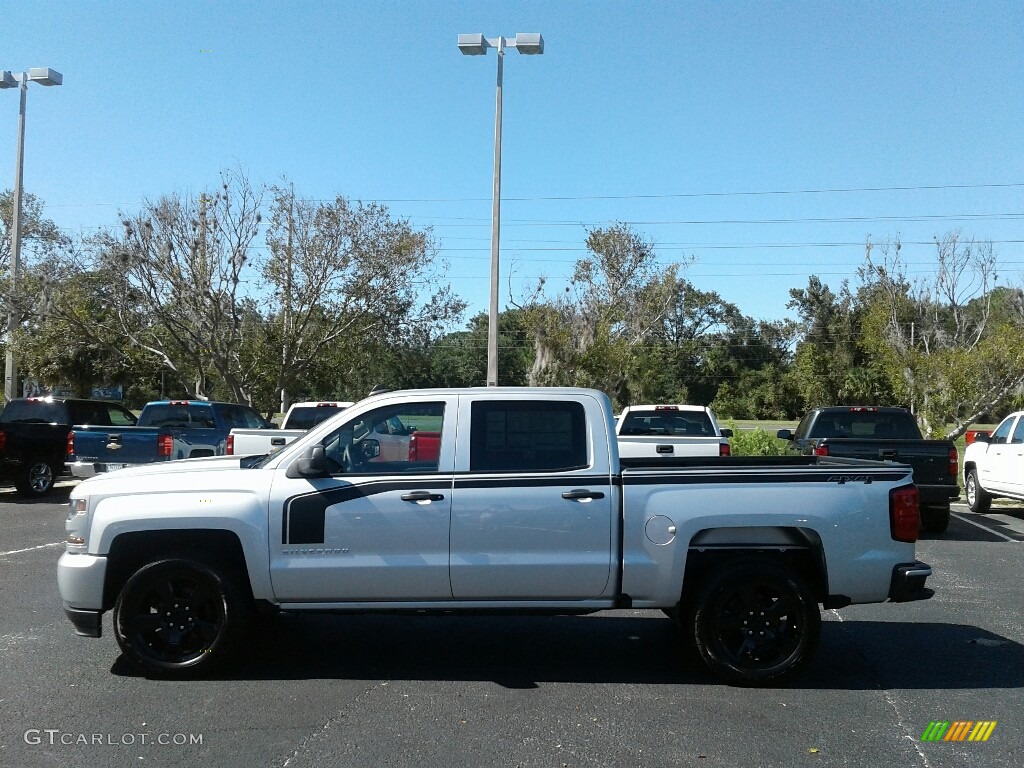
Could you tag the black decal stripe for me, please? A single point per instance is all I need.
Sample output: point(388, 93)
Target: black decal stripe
point(468, 481)
point(706, 478)
point(305, 514)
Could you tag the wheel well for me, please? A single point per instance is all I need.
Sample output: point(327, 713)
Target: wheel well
point(806, 560)
point(130, 551)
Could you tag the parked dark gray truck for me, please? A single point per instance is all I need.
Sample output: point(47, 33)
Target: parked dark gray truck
point(889, 434)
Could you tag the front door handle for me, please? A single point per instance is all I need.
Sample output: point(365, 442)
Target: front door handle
point(665, 449)
point(582, 493)
point(277, 441)
point(422, 496)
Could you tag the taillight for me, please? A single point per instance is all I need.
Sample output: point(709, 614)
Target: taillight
point(71, 444)
point(3, 440)
point(904, 513)
point(821, 450)
point(164, 445)
point(231, 445)
point(413, 449)
point(954, 462)
point(724, 449)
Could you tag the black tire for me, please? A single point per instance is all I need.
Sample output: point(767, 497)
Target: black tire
point(977, 499)
point(180, 617)
point(36, 478)
point(935, 519)
point(755, 622)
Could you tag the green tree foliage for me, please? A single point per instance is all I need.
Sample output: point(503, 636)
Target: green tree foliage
point(594, 335)
point(950, 343)
point(346, 279)
point(460, 359)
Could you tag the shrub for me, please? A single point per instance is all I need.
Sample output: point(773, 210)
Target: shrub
point(756, 442)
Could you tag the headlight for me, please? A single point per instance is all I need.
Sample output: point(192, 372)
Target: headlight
point(77, 507)
point(77, 524)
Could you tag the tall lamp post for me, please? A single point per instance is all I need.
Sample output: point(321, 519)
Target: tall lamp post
point(477, 45)
point(43, 76)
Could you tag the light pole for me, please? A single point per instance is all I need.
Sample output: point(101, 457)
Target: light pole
point(43, 76)
point(477, 45)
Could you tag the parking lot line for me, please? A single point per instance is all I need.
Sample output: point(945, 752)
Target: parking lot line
point(986, 528)
point(29, 549)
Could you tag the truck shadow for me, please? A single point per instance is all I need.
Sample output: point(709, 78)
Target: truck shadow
point(59, 495)
point(962, 529)
point(644, 648)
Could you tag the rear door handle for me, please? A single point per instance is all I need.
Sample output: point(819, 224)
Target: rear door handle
point(665, 449)
point(277, 441)
point(422, 496)
point(582, 493)
point(887, 454)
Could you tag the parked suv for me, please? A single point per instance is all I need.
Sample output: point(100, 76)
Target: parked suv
point(34, 434)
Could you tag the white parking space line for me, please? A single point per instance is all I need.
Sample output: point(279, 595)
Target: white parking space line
point(30, 549)
point(986, 528)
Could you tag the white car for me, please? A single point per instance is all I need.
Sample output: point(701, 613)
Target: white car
point(646, 431)
point(994, 464)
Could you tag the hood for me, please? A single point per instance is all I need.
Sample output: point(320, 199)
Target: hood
point(163, 468)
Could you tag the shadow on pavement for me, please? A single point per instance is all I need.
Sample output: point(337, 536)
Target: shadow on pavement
point(521, 652)
point(959, 530)
point(59, 495)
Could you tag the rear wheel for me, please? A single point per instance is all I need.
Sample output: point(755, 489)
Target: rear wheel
point(977, 499)
point(935, 519)
point(180, 617)
point(36, 479)
point(755, 622)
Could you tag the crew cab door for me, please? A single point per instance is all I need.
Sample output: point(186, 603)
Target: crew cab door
point(375, 529)
point(999, 465)
point(534, 506)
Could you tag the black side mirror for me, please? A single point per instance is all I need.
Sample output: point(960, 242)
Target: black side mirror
point(311, 463)
point(370, 449)
point(784, 434)
point(726, 432)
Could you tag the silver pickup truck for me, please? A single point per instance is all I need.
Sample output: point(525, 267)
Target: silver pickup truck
point(524, 506)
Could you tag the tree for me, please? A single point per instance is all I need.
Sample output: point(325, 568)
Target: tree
point(949, 341)
point(347, 278)
point(594, 334)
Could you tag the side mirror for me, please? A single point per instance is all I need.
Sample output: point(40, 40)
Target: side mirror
point(983, 437)
point(784, 434)
point(311, 463)
point(726, 432)
point(370, 449)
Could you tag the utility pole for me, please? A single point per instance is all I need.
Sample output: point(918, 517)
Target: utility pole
point(285, 399)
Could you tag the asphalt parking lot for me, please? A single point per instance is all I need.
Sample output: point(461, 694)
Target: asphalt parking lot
point(605, 690)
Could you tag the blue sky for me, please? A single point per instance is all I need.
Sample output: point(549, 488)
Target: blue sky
point(664, 114)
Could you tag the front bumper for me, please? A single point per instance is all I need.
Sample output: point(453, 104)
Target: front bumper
point(80, 581)
point(907, 582)
point(87, 623)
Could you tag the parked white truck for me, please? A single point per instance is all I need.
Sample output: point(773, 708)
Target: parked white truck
point(525, 507)
point(994, 464)
point(670, 431)
point(300, 418)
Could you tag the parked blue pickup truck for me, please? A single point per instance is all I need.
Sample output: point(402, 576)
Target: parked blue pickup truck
point(167, 430)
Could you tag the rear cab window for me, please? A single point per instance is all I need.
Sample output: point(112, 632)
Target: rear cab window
point(308, 417)
point(33, 411)
point(187, 415)
point(668, 423)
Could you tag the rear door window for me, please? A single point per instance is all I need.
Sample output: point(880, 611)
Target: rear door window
point(528, 436)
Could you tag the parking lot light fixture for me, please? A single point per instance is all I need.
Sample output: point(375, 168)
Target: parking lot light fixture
point(42, 76)
point(476, 44)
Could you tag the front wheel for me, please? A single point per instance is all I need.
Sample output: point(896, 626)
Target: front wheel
point(755, 622)
point(977, 499)
point(179, 617)
point(36, 479)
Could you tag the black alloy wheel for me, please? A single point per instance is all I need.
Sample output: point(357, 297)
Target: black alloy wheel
point(755, 622)
point(179, 617)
